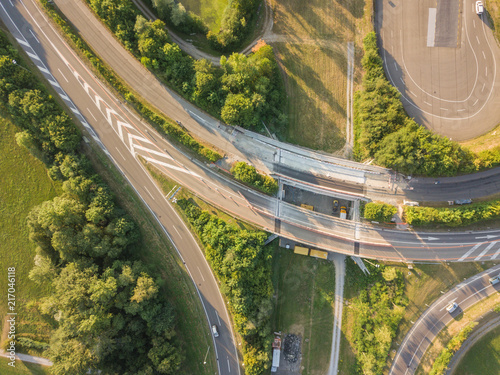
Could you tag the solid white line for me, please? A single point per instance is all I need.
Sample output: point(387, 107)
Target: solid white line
point(181, 237)
point(469, 252)
point(151, 195)
point(92, 115)
point(120, 153)
point(34, 36)
point(197, 266)
point(485, 251)
point(63, 75)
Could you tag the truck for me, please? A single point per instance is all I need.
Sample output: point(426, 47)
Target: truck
point(276, 353)
point(343, 212)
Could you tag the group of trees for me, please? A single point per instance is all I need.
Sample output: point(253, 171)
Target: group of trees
point(111, 316)
point(396, 141)
point(174, 13)
point(245, 91)
point(249, 175)
point(452, 217)
point(377, 311)
point(242, 264)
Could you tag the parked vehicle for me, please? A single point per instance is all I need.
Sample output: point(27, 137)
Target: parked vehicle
point(343, 212)
point(463, 201)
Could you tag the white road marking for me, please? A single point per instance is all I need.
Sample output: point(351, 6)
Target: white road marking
point(120, 153)
point(485, 251)
point(483, 87)
point(196, 267)
point(34, 36)
point(401, 78)
point(411, 92)
point(33, 56)
point(92, 115)
point(181, 237)
point(75, 110)
point(449, 302)
point(396, 65)
point(218, 319)
point(496, 254)
point(228, 367)
point(484, 55)
point(63, 75)
point(474, 22)
point(11, 2)
point(475, 102)
point(477, 38)
point(444, 109)
point(469, 252)
point(486, 71)
point(460, 110)
point(20, 41)
point(151, 195)
point(427, 103)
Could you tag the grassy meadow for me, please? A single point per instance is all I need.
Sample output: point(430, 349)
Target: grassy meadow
point(305, 297)
point(210, 11)
point(24, 184)
point(483, 357)
point(310, 41)
point(22, 368)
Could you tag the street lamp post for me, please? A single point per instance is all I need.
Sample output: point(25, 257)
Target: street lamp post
point(206, 355)
point(22, 67)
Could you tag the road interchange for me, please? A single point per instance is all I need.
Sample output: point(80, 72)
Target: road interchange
point(125, 136)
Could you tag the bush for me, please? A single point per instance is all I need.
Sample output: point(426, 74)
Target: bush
point(379, 211)
point(249, 175)
point(452, 217)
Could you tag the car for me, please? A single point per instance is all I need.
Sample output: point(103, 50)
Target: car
point(463, 201)
point(495, 280)
point(452, 307)
point(479, 7)
point(215, 331)
point(335, 205)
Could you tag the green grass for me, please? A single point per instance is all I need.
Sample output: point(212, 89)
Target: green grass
point(24, 184)
point(210, 11)
point(305, 289)
point(483, 357)
point(493, 11)
point(22, 368)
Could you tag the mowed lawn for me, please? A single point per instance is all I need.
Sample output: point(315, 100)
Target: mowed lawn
point(24, 184)
point(483, 358)
point(311, 44)
point(22, 368)
point(210, 11)
point(305, 290)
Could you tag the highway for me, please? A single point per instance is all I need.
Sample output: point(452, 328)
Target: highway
point(95, 107)
point(435, 318)
point(442, 57)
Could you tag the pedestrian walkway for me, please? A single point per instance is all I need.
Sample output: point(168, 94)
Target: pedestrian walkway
point(339, 261)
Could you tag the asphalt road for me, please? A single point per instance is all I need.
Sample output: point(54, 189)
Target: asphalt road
point(95, 106)
point(442, 57)
point(435, 318)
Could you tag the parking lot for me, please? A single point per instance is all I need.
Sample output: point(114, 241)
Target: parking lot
point(320, 203)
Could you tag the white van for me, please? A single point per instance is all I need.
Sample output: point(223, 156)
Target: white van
point(495, 280)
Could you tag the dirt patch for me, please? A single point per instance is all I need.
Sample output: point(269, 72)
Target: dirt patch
point(291, 355)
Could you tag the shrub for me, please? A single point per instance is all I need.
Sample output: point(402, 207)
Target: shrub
point(378, 211)
point(249, 175)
